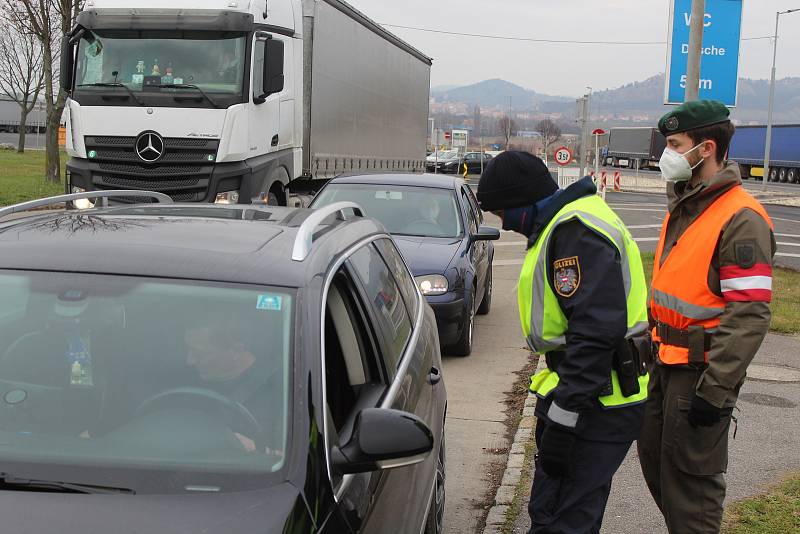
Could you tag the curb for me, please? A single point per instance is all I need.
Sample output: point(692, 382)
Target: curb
point(496, 517)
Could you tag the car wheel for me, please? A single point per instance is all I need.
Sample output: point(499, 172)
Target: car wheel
point(435, 522)
point(464, 345)
point(486, 303)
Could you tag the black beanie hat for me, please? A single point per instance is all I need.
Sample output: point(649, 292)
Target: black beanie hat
point(514, 179)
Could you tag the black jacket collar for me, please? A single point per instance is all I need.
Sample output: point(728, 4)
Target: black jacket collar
point(549, 207)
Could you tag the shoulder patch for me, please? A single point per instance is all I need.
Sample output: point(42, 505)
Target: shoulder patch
point(567, 276)
point(745, 251)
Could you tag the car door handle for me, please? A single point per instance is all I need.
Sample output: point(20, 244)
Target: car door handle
point(435, 376)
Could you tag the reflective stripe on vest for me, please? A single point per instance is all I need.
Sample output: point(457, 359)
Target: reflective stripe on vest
point(545, 381)
point(543, 321)
point(680, 296)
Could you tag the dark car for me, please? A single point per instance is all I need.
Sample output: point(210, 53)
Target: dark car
point(436, 223)
point(221, 369)
point(476, 162)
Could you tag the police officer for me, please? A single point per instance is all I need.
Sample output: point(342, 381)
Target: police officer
point(582, 298)
point(711, 287)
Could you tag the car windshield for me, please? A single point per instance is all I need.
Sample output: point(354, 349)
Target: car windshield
point(403, 210)
point(143, 60)
point(159, 385)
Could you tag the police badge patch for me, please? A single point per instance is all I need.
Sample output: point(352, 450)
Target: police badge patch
point(566, 276)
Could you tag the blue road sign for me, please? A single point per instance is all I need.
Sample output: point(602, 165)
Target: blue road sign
point(719, 60)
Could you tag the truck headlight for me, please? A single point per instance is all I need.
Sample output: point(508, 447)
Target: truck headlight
point(227, 197)
point(432, 284)
point(81, 203)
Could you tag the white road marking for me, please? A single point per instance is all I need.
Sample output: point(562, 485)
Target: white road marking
point(645, 239)
point(796, 236)
point(637, 204)
point(787, 255)
point(641, 226)
point(651, 210)
point(784, 244)
point(796, 221)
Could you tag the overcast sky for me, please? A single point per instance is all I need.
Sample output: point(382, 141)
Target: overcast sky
point(566, 69)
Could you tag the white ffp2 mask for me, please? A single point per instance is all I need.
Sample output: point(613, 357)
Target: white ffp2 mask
point(675, 166)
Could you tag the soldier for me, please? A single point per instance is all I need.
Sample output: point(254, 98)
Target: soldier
point(582, 301)
point(709, 306)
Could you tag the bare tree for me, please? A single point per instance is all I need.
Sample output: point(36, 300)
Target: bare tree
point(507, 127)
point(48, 21)
point(550, 132)
point(21, 72)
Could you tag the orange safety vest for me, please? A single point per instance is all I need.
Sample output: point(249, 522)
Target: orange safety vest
point(680, 296)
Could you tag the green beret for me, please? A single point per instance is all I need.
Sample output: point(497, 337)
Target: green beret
point(693, 115)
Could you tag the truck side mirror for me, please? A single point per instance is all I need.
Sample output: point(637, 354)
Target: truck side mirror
point(269, 61)
point(67, 63)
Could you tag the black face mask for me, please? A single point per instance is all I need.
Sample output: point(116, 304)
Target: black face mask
point(520, 220)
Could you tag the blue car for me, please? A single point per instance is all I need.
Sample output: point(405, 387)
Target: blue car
point(438, 227)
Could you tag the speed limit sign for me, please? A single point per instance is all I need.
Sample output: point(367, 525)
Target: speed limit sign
point(563, 155)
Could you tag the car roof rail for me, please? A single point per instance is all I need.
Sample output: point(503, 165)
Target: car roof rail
point(305, 235)
point(103, 195)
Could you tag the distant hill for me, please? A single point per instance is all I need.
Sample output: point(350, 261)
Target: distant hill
point(635, 102)
point(495, 93)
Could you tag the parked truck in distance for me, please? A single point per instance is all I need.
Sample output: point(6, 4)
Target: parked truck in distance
point(218, 101)
point(635, 148)
point(747, 149)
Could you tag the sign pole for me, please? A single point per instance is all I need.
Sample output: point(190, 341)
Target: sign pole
point(695, 45)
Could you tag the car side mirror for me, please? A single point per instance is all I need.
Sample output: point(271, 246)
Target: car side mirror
point(383, 439)
point(486, 233)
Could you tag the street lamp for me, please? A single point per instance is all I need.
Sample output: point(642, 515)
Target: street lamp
point(772, 98)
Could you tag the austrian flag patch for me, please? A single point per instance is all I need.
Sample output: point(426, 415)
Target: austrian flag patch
point(566, 276)
point(752, 284)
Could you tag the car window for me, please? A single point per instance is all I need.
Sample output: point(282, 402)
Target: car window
point(121, 375)
point(408, 287)
point(351, 355)
point(472, 221)
point(403, 210)
point(384, 297)
point(473, 202)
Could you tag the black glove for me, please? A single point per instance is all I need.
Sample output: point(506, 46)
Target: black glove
point(702, 413)
point(555, 450)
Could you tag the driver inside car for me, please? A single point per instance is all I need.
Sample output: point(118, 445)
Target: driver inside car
point(225, 365)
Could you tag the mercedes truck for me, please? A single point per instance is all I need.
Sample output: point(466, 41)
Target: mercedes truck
point(237, 101)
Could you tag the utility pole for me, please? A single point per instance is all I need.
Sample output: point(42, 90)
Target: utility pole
point(695, 45)
point(583, 108)
point(508, 123)
point(772, 99)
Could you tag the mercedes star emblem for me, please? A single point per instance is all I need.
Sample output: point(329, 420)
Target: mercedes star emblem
point(149, 147)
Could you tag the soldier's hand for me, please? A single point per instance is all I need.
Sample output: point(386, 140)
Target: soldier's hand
point(703, 413)
point(555, 450)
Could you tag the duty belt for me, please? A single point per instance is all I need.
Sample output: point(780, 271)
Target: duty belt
point(695, 338)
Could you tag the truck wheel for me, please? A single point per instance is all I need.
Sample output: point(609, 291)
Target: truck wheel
point(782, 175)
point(744, 170)
point(773, 175)
point(793, 176)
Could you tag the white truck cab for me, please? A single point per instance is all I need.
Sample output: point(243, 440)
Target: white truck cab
point(230, 100)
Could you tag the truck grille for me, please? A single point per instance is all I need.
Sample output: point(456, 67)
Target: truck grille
point(183, 171)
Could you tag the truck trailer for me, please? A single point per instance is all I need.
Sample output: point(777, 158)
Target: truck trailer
point(747, 149)
point(233, 101)
point(635, 148)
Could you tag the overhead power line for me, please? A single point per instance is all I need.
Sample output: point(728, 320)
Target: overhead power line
point(535, 40)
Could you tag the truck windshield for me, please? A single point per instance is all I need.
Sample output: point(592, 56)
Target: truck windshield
point(161, 386)
point(145, 61)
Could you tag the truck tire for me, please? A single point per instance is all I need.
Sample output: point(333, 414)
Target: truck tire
point(782, 175)
point(744, 170)
point(773, 175)
point(793, 176)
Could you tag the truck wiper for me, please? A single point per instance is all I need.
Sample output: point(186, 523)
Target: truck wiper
point(187, 86)
point(113, 84)
point(11, 483)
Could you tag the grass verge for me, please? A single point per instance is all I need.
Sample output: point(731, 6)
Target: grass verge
point(22, 177)
point(785, 296)
point(776, 512)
